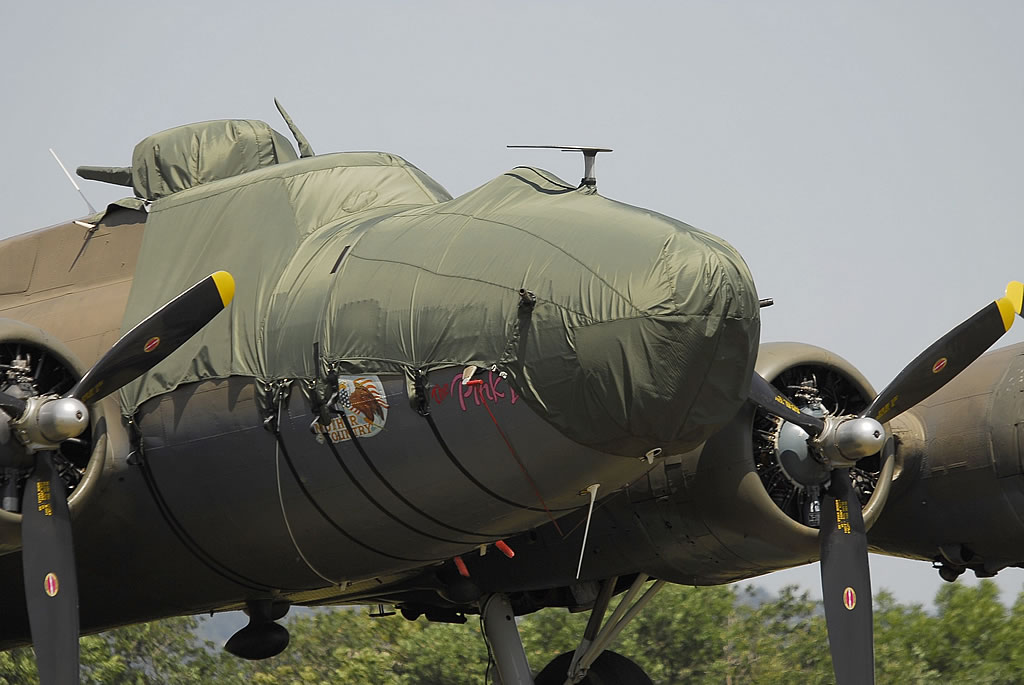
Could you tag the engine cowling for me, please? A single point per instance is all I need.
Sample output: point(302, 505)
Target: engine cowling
point(737, 508)
point(33, 362)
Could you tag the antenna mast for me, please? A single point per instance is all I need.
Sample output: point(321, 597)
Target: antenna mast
point(88, 204)
point(589, 157)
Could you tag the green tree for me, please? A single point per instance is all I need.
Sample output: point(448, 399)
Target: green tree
point(149, 654)
point(144, 654)
point(686, 635)
point(330, 647)
point(550, 632)
point(678, 637)
point(346, 646)
point(1015, 634)
point(18, 667)
point(900, 652)
point(968, 641)
point(775, 643)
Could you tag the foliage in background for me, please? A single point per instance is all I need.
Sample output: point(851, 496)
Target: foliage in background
point(687, 635)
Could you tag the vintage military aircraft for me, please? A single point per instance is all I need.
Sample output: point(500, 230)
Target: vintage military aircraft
point(523, 397)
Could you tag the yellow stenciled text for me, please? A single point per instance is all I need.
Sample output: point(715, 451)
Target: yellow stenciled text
point(843, 517)
point(43, 497)
point(786, 403)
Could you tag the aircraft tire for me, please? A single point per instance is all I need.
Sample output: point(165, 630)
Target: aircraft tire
point(610, 668)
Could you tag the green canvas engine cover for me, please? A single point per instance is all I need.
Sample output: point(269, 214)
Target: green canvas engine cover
point(187, 156)
point(643, 333)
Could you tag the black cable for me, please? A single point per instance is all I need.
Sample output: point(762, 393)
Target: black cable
point(474, 480)
point(326, 516)
point(394, 491)
point(490, 654)
point(182, 534)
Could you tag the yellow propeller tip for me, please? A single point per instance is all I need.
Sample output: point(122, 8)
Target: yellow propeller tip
point(1015, 292)
point(225, 286)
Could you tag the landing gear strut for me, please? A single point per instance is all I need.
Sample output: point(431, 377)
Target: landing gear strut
point(590, 663)
point(501, 632)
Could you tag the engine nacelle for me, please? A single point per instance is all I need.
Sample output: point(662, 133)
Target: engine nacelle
point(736, 509)
point(33, 362)
point(959, 495)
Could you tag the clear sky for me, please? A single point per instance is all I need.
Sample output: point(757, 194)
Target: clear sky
point(866, 158)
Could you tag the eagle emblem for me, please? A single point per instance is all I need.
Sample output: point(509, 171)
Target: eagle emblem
point(363, 402)
point(366, 400)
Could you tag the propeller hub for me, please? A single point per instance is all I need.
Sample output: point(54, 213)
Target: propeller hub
point(48, 421)
point(62, 419)
point(796, 459)
point(847, 439)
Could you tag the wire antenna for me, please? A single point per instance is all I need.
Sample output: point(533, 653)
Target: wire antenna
point(592, 489)
point(88, 204)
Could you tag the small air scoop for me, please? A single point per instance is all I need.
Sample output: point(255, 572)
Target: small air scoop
point(589, 157)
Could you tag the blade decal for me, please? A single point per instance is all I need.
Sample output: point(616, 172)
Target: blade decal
point(880, 416)
point(786, 403)
point(843, 517)
point(43, 498)
point(51, 585)
point(91, 392)
point(849, 598)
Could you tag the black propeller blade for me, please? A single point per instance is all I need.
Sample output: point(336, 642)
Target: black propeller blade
point(153, 339)
point(845, 575)
point(766, 396)
point(846, 582)
point(48, 562)
point(48, 567)
point(947, 356)
point(13, 406)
